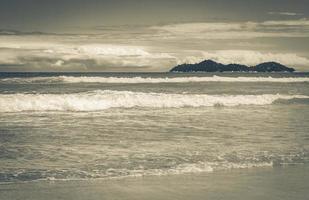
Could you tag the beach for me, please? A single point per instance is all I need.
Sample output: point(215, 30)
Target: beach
point(284, 183)
point(154, 100)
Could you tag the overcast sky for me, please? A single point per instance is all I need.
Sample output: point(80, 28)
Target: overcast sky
point(150, 35)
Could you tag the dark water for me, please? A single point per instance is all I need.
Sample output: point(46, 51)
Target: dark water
point(104, 125)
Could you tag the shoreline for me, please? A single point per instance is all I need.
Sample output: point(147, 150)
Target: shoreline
point(287, 182)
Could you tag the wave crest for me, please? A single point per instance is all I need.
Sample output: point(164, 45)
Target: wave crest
point(105, 99)
point(135, 80)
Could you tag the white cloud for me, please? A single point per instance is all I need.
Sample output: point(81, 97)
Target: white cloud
point(111, 50)
point(199, 27)
point(301, 22)
point(59, 63)
point(82, 56)
point(285, 13)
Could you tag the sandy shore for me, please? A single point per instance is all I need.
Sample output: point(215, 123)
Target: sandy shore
point(290, 182)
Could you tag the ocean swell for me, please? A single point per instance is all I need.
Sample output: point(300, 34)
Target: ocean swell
point(105, 99)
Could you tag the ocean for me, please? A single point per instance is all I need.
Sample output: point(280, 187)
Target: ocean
point(91, 126)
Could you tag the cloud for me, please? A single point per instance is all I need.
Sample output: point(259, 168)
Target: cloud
point(157, 48)
point(233, 30)
point(111, 50)
point(199, 27)
point(95, 57)
point(303, 23)
point(285, 13)
point(248, 57)
point(92, 57)
point(17, 32)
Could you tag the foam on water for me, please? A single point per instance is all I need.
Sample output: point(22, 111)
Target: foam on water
point(112, 173)
point(135, 80)
point(105, 99)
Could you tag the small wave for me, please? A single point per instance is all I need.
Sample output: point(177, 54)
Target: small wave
point(105, 99)
point(135, 80)
point(111, 173)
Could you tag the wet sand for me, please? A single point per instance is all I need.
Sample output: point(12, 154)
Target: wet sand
point(291, 182)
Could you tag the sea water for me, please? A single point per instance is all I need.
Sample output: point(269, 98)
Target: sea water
point(81, 126)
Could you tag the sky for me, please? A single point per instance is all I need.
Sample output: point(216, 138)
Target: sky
point(148, 35)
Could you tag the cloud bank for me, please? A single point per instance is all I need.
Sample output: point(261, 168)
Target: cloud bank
point(156, 48)
point(240, 30)
point(93, 57)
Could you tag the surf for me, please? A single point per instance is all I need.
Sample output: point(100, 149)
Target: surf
point(137, 80)
point(105, 99)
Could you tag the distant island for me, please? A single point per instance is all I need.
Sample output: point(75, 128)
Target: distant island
point(212, 66)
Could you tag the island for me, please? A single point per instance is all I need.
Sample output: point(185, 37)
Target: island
point(212, 66)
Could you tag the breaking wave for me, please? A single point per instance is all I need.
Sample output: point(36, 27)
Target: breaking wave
point(118, 173)
point(105, 99)
point(135, 80)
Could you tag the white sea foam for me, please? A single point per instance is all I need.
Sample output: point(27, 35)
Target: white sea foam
point(187, 168)
point(114, 173)
point(135, 80)
point(190, 168)
point(179, 79)
point(104, 99)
